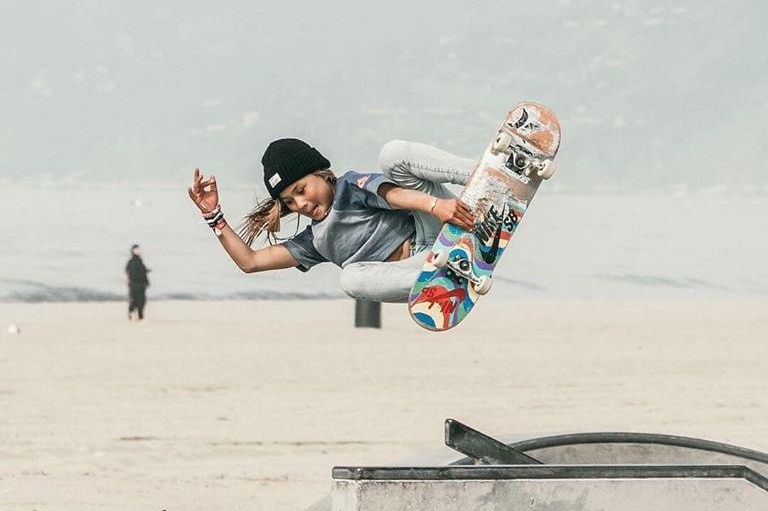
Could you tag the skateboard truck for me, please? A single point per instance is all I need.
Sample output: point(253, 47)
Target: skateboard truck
point(520, 160)
point(462, 268)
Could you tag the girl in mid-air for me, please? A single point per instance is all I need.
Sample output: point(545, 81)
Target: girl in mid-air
point(375, 227)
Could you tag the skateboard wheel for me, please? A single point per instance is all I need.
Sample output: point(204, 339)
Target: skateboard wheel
point(548, 170)
point(483, 285)
point(502, 142)
point(439, 258)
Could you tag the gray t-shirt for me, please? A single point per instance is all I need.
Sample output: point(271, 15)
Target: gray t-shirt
point(361, 226)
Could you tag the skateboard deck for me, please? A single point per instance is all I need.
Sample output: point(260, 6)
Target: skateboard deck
point(458, 269)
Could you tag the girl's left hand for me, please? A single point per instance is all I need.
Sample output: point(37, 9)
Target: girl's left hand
point(455, 212)
point(204, 192)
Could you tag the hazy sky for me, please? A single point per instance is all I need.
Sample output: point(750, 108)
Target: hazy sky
point(650, 95)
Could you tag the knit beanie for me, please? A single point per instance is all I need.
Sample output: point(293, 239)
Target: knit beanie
point(286, 161)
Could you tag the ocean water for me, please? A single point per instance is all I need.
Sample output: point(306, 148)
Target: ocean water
point(71, 244)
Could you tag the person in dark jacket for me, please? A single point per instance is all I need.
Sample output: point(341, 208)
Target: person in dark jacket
point(136, 277)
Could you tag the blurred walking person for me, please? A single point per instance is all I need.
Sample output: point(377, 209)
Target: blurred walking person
point(136, 277)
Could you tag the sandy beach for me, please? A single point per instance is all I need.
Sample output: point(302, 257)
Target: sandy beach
point(248, 405)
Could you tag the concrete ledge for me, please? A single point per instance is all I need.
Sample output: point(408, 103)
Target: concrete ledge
point(542, 487)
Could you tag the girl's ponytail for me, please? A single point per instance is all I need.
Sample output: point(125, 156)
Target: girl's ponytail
point(265, 217)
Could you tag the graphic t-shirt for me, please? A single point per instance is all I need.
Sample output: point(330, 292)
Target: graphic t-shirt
point(361, 226)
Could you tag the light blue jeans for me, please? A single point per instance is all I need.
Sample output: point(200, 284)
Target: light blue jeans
point(418, 167)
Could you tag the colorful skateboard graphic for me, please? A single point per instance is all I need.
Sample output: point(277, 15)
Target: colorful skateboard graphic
point(459, 268)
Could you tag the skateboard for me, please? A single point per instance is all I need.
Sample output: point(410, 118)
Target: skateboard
point(459, 268)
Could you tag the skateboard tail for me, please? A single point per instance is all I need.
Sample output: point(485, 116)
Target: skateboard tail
point(534, 126)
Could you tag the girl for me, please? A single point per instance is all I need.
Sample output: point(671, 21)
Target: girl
point(376, 227)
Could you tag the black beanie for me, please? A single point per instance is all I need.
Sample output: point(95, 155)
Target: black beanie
point(286, 161)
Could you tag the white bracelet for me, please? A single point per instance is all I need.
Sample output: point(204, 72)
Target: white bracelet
point(434, 204)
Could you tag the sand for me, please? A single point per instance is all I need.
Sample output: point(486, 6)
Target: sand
point(248, 405)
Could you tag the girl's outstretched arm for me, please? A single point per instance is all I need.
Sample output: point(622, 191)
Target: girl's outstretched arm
point(453, 211)
point(204, 193)
point(274, 257)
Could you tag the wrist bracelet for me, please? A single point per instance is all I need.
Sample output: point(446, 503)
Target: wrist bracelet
point(434, 204)
point(215, 220)
point(218, 228)
point(215, 211)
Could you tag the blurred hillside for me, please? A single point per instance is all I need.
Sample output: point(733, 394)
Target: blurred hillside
point(649, 96)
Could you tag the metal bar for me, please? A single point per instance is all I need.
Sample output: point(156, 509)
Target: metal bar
point(488, 472)
point(482, 447)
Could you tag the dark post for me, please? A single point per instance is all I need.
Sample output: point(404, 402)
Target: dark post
point(367, 314)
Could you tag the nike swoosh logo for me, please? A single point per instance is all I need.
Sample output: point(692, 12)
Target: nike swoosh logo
point(490, 256)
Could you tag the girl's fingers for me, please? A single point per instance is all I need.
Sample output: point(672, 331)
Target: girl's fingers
point(192, 195)
point(467, 221)
point(461, 215)
point(465, 216)
point(196, 181)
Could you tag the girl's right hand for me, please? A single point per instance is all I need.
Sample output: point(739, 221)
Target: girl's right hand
point(203, 192)
point(454, 211)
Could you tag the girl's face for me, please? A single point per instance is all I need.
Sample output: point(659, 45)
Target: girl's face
point(310, 196)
